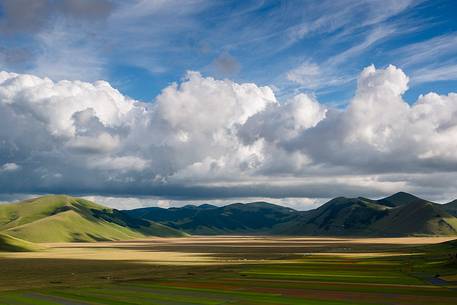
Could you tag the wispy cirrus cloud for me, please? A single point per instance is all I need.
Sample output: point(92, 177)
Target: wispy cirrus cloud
point(331, 72)
point(431, 60)
point(427, 50)
point(433, 73)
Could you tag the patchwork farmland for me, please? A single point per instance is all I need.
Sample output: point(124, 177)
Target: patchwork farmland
point(234, 270)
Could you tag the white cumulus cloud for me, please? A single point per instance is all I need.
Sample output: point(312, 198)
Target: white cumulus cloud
point(208, 138)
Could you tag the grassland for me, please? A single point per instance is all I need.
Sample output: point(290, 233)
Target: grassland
point(234, 270)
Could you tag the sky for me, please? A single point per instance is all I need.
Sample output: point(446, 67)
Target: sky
point(167, 102)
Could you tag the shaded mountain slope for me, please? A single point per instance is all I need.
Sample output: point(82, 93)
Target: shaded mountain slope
point(64, 218)
point(451, 208)
point(339, 216)
point(237, 218)
point(401, 214)
point(417, 218)
point(400, 198)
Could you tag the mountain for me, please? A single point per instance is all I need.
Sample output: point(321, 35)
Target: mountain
point(417, 218)
point(339, 216)
point(399, 199)
point(400, 214)
point(170, 214)
point(66, 219)
point(237, 218)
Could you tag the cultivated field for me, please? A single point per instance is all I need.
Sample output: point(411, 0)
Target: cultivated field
point(234, 270)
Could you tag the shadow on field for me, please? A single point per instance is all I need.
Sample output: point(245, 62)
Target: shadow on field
point(28, 273)
point(257, 250)
point(86, 264)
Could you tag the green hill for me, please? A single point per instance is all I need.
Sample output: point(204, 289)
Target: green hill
point(66, 219)
point(12, 244)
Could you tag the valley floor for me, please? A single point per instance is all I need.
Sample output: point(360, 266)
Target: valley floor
point(234, 270)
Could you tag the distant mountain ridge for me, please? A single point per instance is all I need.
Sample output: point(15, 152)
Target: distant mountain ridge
point(400, 214)
point(237, 218)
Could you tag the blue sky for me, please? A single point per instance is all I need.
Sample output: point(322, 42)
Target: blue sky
point(264, 40)
point(142, 46)
point(170, 100)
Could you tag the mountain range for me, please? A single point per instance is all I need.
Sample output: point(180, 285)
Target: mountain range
point(61, 218)
point(401, 214)
point(237, 218)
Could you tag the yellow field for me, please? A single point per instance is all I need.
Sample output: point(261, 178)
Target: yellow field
point(201, 250)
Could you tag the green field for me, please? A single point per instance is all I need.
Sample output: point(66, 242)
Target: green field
point(233, 270)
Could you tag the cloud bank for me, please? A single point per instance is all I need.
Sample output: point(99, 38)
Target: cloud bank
point(204, 138)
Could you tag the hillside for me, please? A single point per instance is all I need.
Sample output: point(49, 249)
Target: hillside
point(66, 219)
point(401, 214)
point(12, 244)
point(237, 218)
point(339, 216)
point(417, 218)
